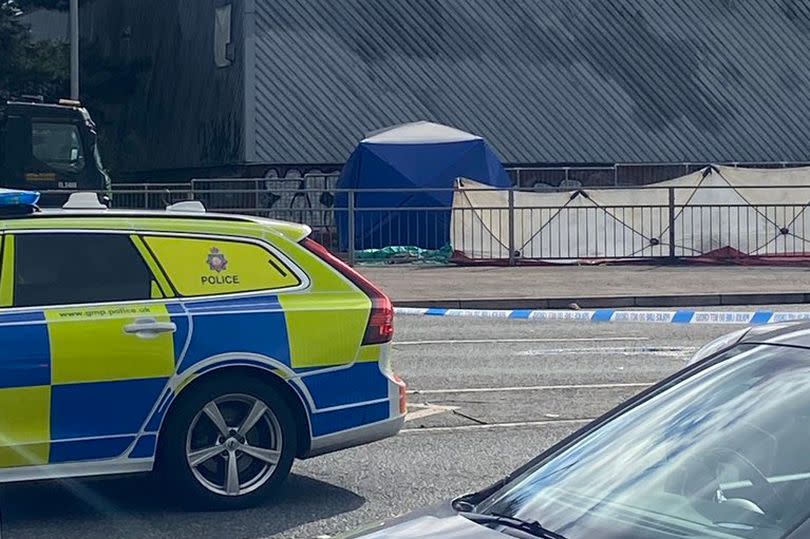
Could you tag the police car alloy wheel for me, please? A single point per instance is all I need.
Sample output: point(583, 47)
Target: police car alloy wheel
point(234, 444)
point(228, 443)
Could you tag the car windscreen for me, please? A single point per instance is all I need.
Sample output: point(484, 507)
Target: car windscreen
point(722, 452)
point(58, 145)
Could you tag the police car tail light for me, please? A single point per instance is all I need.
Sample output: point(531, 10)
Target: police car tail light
point(380, 327)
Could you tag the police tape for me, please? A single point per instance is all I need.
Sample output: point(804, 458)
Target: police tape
point(613, 315)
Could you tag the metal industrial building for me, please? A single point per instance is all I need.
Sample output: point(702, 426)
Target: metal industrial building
point(210, 87)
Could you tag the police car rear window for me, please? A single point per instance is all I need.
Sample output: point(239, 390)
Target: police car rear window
point(205, 267)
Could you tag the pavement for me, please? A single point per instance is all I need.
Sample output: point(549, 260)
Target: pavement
point(556, 287)
point(486, 396)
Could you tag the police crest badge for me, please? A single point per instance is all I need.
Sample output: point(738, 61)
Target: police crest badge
point(217, 261)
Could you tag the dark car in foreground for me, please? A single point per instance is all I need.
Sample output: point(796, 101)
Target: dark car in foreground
point(720, 449)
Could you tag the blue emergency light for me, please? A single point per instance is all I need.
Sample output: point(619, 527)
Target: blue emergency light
point(10, 198)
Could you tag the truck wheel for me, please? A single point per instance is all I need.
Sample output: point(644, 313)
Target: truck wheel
point(227, 444)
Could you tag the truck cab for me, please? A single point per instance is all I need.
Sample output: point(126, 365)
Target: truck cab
point(49, 148)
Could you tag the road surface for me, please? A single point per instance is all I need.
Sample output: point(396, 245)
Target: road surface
point(487, 395)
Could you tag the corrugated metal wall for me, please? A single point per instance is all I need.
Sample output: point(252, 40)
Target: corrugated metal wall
point(546, 81)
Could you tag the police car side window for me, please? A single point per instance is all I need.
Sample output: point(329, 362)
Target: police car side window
point(71, 268)
point(214, 266)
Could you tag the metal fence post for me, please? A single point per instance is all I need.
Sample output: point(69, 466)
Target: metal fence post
point(511, 226)
point(351, 228)
point(671, 191)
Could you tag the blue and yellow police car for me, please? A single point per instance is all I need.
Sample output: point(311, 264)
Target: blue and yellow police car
point(214, 349)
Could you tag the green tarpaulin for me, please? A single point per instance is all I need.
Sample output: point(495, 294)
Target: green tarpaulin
point(404, 255)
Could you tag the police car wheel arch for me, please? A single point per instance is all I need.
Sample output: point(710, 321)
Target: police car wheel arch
point(245, 365)
point(210, 460)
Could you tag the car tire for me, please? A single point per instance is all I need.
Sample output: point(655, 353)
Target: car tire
point(201, 451)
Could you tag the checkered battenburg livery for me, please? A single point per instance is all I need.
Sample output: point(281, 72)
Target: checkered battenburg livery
point(81, 384)
point(77, 394)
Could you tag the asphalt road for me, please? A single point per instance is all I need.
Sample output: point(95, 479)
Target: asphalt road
point(487, 395)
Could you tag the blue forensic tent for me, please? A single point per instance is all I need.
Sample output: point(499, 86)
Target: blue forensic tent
point(414, 156)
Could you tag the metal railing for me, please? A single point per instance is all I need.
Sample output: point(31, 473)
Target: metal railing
point(670, 224)
point(150, 196)
point(269, 198)
point(508, 225)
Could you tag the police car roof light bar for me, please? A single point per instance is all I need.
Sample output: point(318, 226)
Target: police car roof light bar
point(14, 197)
point(16, 202)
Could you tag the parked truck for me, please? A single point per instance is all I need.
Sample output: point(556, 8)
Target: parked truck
point(49, 147)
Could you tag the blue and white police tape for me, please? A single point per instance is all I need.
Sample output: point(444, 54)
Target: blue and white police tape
point(679, 316)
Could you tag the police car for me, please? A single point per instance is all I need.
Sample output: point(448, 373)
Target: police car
point(214, 349)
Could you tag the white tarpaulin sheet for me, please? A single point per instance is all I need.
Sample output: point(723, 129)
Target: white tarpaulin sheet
point(716, 210)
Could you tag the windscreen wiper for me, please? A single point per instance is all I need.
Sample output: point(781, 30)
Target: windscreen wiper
point(531, 527)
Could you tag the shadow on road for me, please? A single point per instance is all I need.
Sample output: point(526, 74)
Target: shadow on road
point(137, 507)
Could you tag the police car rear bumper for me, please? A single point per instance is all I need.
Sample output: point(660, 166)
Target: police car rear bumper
point(356, 436)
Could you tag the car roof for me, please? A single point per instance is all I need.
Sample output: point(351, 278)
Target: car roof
point(152, 220)
point(792, 333)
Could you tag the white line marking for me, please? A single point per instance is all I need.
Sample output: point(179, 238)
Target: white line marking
point(427, 410)
point(502, 341)
point(498, 425)
point(526, 388)
point(667, 351)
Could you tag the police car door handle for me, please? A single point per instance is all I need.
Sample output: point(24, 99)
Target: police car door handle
point(149, 328)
